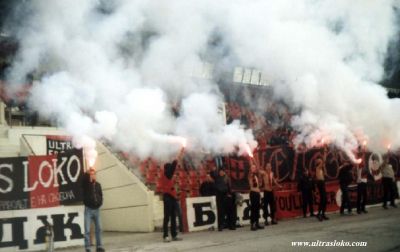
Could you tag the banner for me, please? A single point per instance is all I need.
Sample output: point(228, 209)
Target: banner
point(243, 211)
point(58, 144)
point(288, 164)
point(201, 213)
point(28, 229)
point(238, 168)
point(13, 183)
point(41, 181)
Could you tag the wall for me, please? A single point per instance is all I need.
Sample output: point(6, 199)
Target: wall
point(128, 203)
point(36, 136)
point(2, 113)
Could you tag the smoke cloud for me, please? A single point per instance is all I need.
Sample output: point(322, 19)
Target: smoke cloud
point(112, 69)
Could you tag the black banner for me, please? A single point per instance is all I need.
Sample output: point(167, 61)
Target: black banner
point(13, 183)
point(58, 144)
point(71, 192)
point(41, 181)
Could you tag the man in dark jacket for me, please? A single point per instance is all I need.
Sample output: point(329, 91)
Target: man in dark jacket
point(169, 198)
point(306, 187)
point(345, 179)
point(92, 199)
point(224, 200)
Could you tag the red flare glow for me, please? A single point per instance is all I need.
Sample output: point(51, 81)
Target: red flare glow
point(358, 161)
point(249, 152)
point(365, 143)
point(389, 146)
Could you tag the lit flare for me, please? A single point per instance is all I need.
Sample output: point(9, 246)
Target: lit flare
point(91, 156)
point(184, 142)
point(249, 152)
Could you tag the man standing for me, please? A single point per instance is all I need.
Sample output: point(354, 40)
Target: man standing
point(169, 198)
point(254, 183)
point(306, 187)
point(388, 179)
point(223, 197)
point(362, 178)
point(345, 179)
point(269, 199)
point(320, 182)
point(92, 199)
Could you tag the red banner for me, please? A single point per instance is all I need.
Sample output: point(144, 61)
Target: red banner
point(41, 182)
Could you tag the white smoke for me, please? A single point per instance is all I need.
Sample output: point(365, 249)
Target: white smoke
point(101, 82)
point(133, 59)
point(324, 57)
point(201, 123)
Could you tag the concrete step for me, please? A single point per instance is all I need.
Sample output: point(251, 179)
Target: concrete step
point(4, 141)
point(7, 149)
point(8, 154)
point(13, 148)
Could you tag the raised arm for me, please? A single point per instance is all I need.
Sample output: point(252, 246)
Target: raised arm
point(180, 155)
point(254, 161)
point(179, 158)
